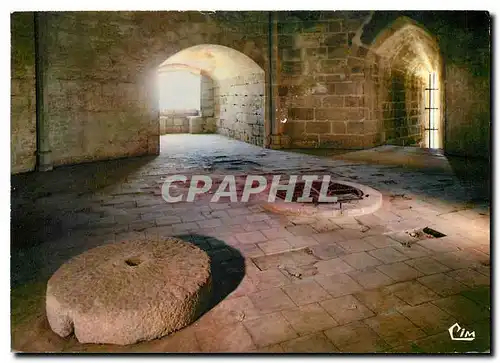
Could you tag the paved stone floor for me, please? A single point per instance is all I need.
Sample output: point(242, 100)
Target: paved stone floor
point(283, 284)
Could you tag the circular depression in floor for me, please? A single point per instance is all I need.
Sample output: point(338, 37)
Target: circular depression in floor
point(351, 199)
point(345, 198)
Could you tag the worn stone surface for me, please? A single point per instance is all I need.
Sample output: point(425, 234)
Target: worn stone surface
point(277, 298)
point(127, 292)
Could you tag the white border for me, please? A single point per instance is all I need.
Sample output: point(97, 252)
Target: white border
point(30, 5)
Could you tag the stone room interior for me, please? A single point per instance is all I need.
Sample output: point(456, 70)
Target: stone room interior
point(109, 107)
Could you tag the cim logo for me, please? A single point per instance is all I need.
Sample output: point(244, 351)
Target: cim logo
point(459, 333)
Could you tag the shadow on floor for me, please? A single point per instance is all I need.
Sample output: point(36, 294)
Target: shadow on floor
point(399, 156)
point(79, 178)
point(321, 152)
point(227, 265)
point(33, 221)
point(473, 171)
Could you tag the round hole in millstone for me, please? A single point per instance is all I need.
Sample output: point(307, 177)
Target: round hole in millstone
point(102, 299)
point(133, 261)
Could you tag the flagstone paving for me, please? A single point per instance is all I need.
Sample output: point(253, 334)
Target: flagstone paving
point(283, 284)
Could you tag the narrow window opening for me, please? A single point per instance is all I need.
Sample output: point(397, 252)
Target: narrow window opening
point(432, 128)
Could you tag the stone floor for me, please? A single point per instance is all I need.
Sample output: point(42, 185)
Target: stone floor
point(286, 284)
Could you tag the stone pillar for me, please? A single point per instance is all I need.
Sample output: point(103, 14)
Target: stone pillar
point(44, 153)
point(274, 129)
point(207, 96)
point(153, 97)
point(270, 81)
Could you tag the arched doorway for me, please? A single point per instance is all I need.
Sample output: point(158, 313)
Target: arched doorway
point(216, 87)
point(410, 85)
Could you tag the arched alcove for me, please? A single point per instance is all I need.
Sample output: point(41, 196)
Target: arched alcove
point(231, 92)
point(409, 85)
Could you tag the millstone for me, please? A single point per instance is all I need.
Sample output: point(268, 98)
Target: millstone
point(126, 292)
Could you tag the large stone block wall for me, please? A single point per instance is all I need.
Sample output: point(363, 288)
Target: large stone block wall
point(403, 108)
point(174, 124)
point(183, 124)
point(23, 93)
point(240, 108)
point(207, 102)
point(468, 88)
point(321, 80)
point(98, 105)
point(101, 74)
point(468, 111)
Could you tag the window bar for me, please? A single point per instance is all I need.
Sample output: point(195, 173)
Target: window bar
point(433, 136)
point(431, 127)
point(429, 109)
point(433, 114)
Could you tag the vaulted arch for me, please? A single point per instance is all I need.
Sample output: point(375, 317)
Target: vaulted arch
point(232, 92)
point(410, 84)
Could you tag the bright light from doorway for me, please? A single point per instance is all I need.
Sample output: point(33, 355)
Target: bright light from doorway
point(179, 91)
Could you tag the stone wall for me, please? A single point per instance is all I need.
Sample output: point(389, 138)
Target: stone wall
point(403, 108)
point(181, 124)
point(321, 80)
point(240, 108)
point(468, 113)
point(207, 96)
point(468, 88)
point(101, 74)
point(23, 93)
point(174, 124)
